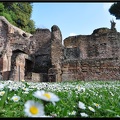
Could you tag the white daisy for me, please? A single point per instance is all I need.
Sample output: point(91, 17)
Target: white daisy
point(2, 93)
point(91, 109)
point(72, 113)
point(46, 116)
point(81, 105)
point(25, 92)
point(25, 89)
point(2, 86)
point(34, 109)
point(15, 98)
point(111, 93)
point(22, 80)
point(96, 105)
point(83, 114)
point(47, 96)
point(80, 89)
point(117, 116)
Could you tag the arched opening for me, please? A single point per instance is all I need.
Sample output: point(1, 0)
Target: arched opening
point(21, 64)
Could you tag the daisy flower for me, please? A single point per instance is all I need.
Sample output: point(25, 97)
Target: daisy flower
point(81, 105)
point(80, 89)
point(15, 98)
point(117, 116)
point(22, 80)
point(34, 109)
point(2, 93)
point(1, 86)
point(25, 89)
point(25, 92)
point(72, 113)
point(96, 105)
point(47, 96)
point(91, 109)
point(83, 114)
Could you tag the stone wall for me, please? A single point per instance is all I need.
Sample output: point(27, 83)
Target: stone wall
point(96, 45)
point(91, 69)
point(42, 48)
point(54, 72)
point(27, 56)
point(92, 57)
point(41, 57)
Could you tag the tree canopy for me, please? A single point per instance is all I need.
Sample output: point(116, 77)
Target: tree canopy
point(115, 10)
point(18, 14)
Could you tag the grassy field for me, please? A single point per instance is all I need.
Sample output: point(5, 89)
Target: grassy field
point(60, 99)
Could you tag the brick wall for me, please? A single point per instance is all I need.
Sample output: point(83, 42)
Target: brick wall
point(94, 69)
point(99, 56)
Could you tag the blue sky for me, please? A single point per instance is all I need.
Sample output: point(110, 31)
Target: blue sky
point(73, 18)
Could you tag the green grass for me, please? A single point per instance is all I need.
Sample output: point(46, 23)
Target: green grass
point(105, 93)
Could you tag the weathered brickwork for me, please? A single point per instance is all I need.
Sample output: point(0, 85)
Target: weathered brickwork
point(89, 69)
point(41, 57)
point(98, 56)
point(27, 56)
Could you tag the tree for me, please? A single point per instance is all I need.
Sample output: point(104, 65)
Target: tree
point(1, 7)
point(115, 10)
point(19, 14)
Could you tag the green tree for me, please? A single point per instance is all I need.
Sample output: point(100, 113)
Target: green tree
point(19, 14)
point(115, 10)
point(1, 7)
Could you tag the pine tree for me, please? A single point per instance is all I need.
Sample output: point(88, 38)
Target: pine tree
point(115, 10)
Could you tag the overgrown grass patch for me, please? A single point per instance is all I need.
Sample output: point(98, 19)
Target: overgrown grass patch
point(100, 98)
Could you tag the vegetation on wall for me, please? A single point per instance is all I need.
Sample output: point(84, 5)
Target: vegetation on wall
point(18, 14)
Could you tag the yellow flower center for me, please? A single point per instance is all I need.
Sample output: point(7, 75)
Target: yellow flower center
point(16, 98)
point(34, 110)
point(22, 80)
point(2, 93)
point(47, 95)
point(97, 105)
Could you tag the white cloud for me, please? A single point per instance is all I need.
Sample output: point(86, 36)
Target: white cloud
point(72, 34)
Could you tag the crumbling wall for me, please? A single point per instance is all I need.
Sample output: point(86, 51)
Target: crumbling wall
point(98, 56)
point(41, 42)
point(55, 72)
point(100, 44)
point(91, 69)
point(41, 57)
point(11, 38)
point(17, 71)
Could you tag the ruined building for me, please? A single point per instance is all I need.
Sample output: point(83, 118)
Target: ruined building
point(41, 56)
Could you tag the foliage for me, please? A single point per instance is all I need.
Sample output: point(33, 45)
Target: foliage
point(19, 14)
point(115, 10)
point(1, 7)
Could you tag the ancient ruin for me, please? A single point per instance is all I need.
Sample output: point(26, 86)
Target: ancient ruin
point(41, 57)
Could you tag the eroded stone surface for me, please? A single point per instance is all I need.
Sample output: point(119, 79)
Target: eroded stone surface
point(99, 56)
point(41, 57)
